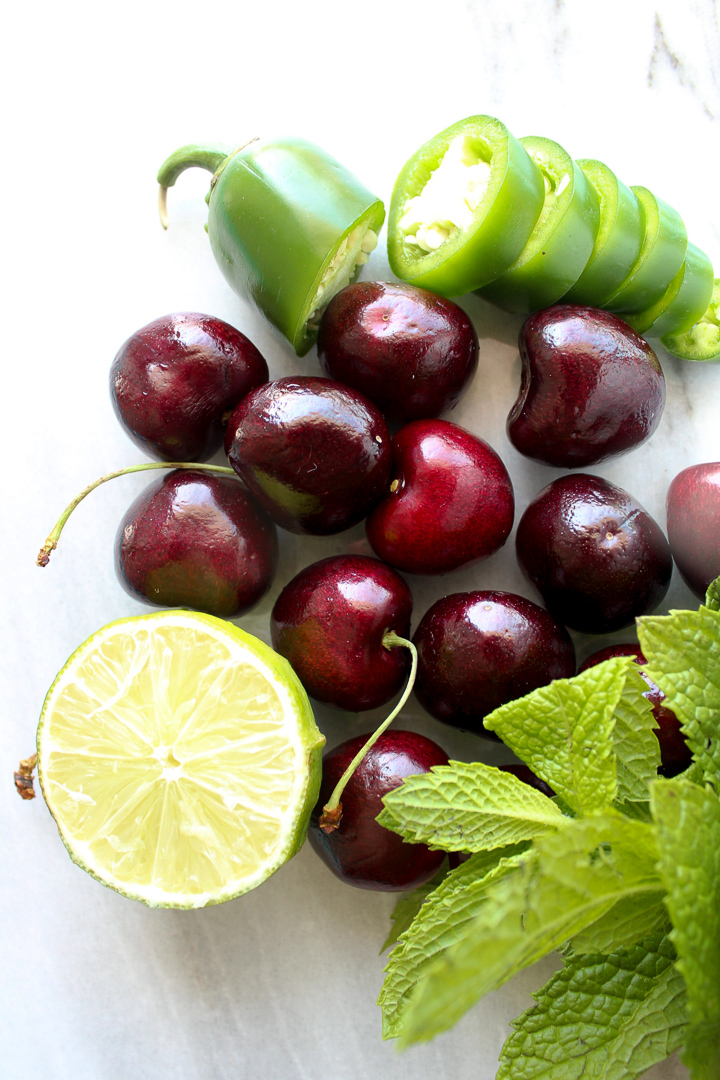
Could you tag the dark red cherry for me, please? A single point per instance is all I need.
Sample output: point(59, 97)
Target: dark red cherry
point(329, 622)
point(193, 539)
point(450, 501)
point(361, 852)
point(693, 521)
point(524, 772)
point(174, 383)
point(675, 754)
point(597, 558)
point(479, 650)
point(591, 388)
point(314, 453)
point(408, 350)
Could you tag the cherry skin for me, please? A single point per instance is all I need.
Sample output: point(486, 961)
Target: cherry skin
point(524, 772)
point(329, 623)
point(597, 558)
point(693, 521)
point(174, 382)
point(361, 852)
point(591, 388)
point(675, 754)
point(197, 540)
point(479, 650)
point(450, 502)
point(408, 350)
point(314, 453)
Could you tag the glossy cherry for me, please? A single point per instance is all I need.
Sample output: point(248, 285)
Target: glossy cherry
point(591, 388)
point(408, 350)
point(675, 754)
point(314, 453)
point(693, 522)
point(174, 382)
point(479, 650)
point(597, 558)
point(329, 622)
point(449, 504)
point(359, 851)
point(194, 539)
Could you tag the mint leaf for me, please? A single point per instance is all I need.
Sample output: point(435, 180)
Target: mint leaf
point(408, 907)
point(441, 921)
point(564, 732)
point(601, 1017)
point(636, 745)
point(632, 918)
point(688, 829)
point(569, 880)
point(468, 807)
point(683, 657)
point(712, 596)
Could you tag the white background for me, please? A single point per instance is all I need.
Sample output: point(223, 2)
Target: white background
point(280, 983)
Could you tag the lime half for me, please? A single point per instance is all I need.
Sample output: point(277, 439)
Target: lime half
point(180, 759)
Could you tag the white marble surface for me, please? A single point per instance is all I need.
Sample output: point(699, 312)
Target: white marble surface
point(281, 983)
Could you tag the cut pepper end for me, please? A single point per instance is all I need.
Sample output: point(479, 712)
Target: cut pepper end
point(702, 341)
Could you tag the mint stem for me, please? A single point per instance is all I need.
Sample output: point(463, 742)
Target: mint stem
point(332, 811)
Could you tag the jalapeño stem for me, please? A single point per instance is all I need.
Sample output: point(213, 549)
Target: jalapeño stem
point(52, 541)
point(332, 811)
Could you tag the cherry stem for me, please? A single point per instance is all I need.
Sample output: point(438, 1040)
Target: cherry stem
point(52, 541)
point(332, 810)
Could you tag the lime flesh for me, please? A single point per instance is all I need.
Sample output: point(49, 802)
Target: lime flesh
point(180, 759)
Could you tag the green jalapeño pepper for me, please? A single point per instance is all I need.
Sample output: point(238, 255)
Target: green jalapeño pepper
point(288, 226)
point(683, 303)
point(562, 241)
point(463, 207)
point(662, 253)
point(618, 241)
point(702, 341)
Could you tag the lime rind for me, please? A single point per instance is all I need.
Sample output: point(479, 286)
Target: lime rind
point(149, 797)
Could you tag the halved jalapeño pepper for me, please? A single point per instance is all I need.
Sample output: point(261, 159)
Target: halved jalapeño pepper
point(288, 225)
point(617, 244)
point(702, 341)
point(562, 240)
point(683, 303)
point(662, 253)
point(463, 207)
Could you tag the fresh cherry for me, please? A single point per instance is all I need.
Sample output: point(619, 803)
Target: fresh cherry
point(693, 521)
point(174, 382)
point(591, 388)
point(359, 851)
point(408, 350)
point(450, 502)
point(597, 558)
point(198, 540)
point(675, 754)
point(479, 650)
point(332, 622)
point(314, 453)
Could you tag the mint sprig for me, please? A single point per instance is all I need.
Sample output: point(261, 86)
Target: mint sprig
point(683, 657)
point(570, 879)
point(636, 867)
point(608, 1016)
point(488, 809)
point(564, 732)
point(442, 921)
point(688, 829)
